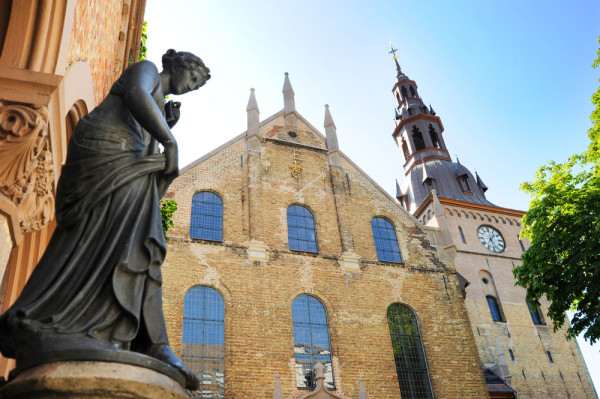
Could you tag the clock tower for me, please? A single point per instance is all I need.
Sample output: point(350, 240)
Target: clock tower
point(516, 344)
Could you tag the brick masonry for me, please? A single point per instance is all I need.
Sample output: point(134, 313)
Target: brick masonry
point(95, 40)
point(256, 189)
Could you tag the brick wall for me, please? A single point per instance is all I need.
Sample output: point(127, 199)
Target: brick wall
point(95, 39)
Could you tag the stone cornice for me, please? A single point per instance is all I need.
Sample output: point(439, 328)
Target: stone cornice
point(25, 86)
point(468, 205)
point(425, 159)
point(433, 118)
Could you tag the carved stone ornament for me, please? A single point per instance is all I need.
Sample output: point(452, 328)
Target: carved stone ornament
point(26, 170)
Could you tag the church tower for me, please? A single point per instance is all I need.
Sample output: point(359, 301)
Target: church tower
point(518, 350)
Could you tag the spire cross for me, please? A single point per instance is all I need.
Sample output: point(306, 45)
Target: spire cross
point(393, 51)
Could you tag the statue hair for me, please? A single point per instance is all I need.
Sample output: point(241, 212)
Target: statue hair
point(181, 59)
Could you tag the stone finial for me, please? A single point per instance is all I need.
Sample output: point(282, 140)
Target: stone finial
point(278, 391)
point(253, 132)
point(398, 191)
point(332, 141)
point(289, 104)
point(362, 391)
point(320, 392)
point(252, 102)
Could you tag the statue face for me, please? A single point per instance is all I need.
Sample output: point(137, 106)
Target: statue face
point(185, 80)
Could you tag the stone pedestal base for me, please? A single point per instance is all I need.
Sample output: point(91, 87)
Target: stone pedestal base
point(87, 379)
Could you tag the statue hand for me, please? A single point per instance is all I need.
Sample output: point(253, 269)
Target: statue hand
point(172, 112)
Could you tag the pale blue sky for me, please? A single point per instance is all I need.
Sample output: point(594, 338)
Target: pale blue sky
point(511, 80)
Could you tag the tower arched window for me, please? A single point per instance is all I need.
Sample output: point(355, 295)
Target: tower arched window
point(424, 109)
point(494, 308)
point(418, 139)
point(409, 356)
point(413, 93)
point(386, 242)
point(405, 150)
point(203, 339)
point(311, 341)
point(410, 111)
point(301, 229)
point(207, 216)
point(403, 91)
point(435, 140)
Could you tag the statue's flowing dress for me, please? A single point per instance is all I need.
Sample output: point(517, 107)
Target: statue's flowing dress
point(99, 279)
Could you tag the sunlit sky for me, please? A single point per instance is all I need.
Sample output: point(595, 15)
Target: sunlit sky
point(511, 80)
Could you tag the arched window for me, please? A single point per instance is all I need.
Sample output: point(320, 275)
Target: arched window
point(418, 139)
point(203, 339)
point(435, 140)
point(403, 91)
point(494, 308)
point(386, 242)
point(424, 109)
point(412, 91)
point(536, 315)
point(207, 216)
point(409, 356)
point(301, 229)
point(405, 150)
point(410, 111)
point(311, 341)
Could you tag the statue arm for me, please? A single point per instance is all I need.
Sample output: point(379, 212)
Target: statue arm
point(139, 101)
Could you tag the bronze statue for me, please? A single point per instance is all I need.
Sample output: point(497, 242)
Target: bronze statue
point(96, 292)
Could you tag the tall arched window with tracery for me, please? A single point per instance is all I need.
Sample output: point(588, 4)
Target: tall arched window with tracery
point(386, 242)
point(418, 139)
point(203, 340)
point(301, 229)
point(311, 341)
point(409, 356)
point(207, 216)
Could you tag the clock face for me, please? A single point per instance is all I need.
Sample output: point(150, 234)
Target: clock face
point(491, 238)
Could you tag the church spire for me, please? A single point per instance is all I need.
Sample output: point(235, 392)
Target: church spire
point(418, 129)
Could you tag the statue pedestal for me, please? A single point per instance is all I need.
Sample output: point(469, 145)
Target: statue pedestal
point(91, 379)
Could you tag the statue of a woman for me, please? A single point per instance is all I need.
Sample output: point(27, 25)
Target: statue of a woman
point(97, 289)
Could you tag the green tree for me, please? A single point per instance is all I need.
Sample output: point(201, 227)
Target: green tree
point(563, 225)
point(167, 209)
point(143, 48)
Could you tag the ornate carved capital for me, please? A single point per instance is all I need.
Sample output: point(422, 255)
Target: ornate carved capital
point(26, 170)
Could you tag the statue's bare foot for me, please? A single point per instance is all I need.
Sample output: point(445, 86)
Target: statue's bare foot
point(166, 355)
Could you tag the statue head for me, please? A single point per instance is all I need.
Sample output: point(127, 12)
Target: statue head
point(187, 71)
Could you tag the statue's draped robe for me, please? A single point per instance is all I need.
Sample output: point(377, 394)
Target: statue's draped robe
point(100, 275)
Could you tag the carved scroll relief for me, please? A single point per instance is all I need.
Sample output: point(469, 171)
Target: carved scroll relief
point(26, 170)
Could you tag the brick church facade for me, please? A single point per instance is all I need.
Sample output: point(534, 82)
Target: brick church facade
point(285, 253)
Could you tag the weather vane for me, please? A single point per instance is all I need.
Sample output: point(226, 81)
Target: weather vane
point(393, 51)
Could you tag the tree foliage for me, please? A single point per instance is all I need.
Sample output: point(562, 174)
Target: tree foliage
point(563, 225)
point(143, 48)
point(167, 209)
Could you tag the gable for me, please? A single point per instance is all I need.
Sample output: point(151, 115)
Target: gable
point(305, 134)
